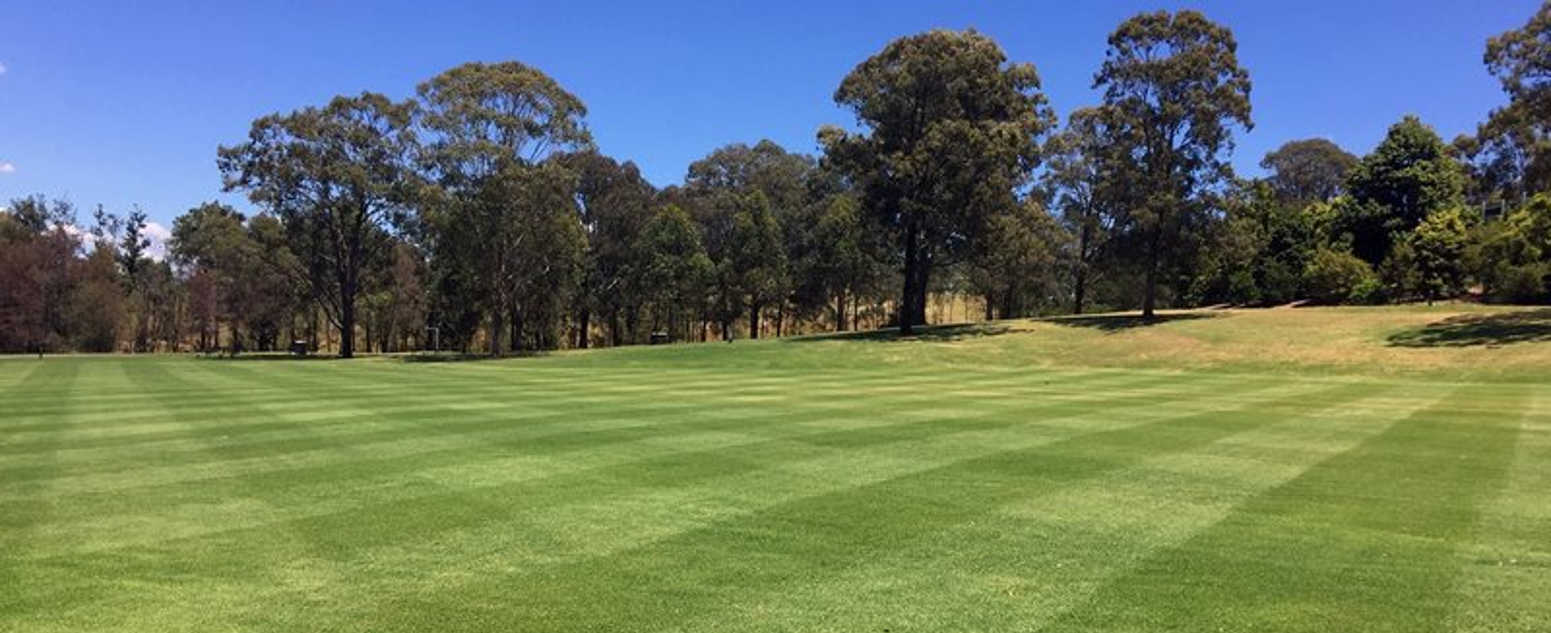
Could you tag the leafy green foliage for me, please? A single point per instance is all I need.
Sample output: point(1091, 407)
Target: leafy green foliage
point(1258, 252)
point(1087, 186)
point(1021, 254)
point(950, 128)
point(676, 272)
point(1510, 153)
point(1310, 170)
point(1173, 90)
point(1334, 277)
point(502, 215)
point(337, 176)
point(1512, 258)
point(1410, 175)
point(1439, 243)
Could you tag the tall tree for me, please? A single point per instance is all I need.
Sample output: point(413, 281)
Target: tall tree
point(675, 270)
point(208, 242)
point(1512, 149)
point(38, 274)
point(1017, 268)
point(615, 203)
point(757, 265)
point(949, 129)
point(491, 126)
point(338, 177)
point(843, 263)
point(1173, 89)
point(718, 188)
point(1080, 177)
point(1408, 176)
point(1310, 170)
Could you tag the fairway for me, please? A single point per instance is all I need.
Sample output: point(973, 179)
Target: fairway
point(1202, 474)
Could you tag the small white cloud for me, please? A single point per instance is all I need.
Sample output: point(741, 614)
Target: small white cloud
point(159, 236)
point(6, 168)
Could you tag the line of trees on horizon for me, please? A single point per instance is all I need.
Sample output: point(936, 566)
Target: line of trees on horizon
point(480, 209)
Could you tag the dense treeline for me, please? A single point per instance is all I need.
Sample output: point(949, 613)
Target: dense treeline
point(479, 216)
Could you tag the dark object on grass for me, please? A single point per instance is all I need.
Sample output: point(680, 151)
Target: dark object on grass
point(659, 338)
point(1489, 330)
point(299, 348)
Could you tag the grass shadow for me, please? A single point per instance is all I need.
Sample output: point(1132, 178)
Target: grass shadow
point(1122, 322)
point(265, 356)
point(458, 357)
point(937, 333)
point(1469, 330)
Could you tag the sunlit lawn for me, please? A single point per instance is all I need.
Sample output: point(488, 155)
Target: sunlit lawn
point(1021, 476)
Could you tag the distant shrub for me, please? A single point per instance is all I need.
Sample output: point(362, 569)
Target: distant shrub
point(1336, 277)
point(1521, 284)
point(1368, 292)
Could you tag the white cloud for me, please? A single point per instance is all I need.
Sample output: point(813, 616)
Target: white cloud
point(6, 168)
point(159, 236)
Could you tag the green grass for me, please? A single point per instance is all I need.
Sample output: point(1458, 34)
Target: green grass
point(1282, 470)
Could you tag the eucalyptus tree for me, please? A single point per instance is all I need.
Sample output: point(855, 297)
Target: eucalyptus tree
point(675, 272)
point(339, 178)
point(842, 263)
point(949, 129)
point(757, 264)
point(209, 244)
point(1309, 170)
point(615, 203)
point(1173, 90)
point(1080, 176)
point(1512, 149)
point(1018, 260)
point(490, 127)
point(717, 191)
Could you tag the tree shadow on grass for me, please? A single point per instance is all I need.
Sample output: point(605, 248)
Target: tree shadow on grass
point(935, 333)
point(1122, 322)
point(268, 356)
point(453, 357)
point(1469, 330)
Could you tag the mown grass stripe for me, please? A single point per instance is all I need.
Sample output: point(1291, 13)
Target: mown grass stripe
point(347, 520)
point(475, 427)
point(538, 451)
point(1362, 541)
point(1505, 575)
point(773, 547)
point(1012, 567)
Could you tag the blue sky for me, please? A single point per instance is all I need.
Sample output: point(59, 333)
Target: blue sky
point(124, 103)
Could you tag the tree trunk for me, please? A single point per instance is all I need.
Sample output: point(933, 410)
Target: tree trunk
point(582, 329)
point(1080, 289)
point(1081, 269)
point(497, 326)
point(923, 277)
point(346, 326)
point(1149, 299)
point(840, 313)
point(989, 305)
point(754, 320)
point(907, 304)
point(515, 344)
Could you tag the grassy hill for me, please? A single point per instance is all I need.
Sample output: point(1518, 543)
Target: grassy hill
point(1375, 469)
point(1456, 340)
